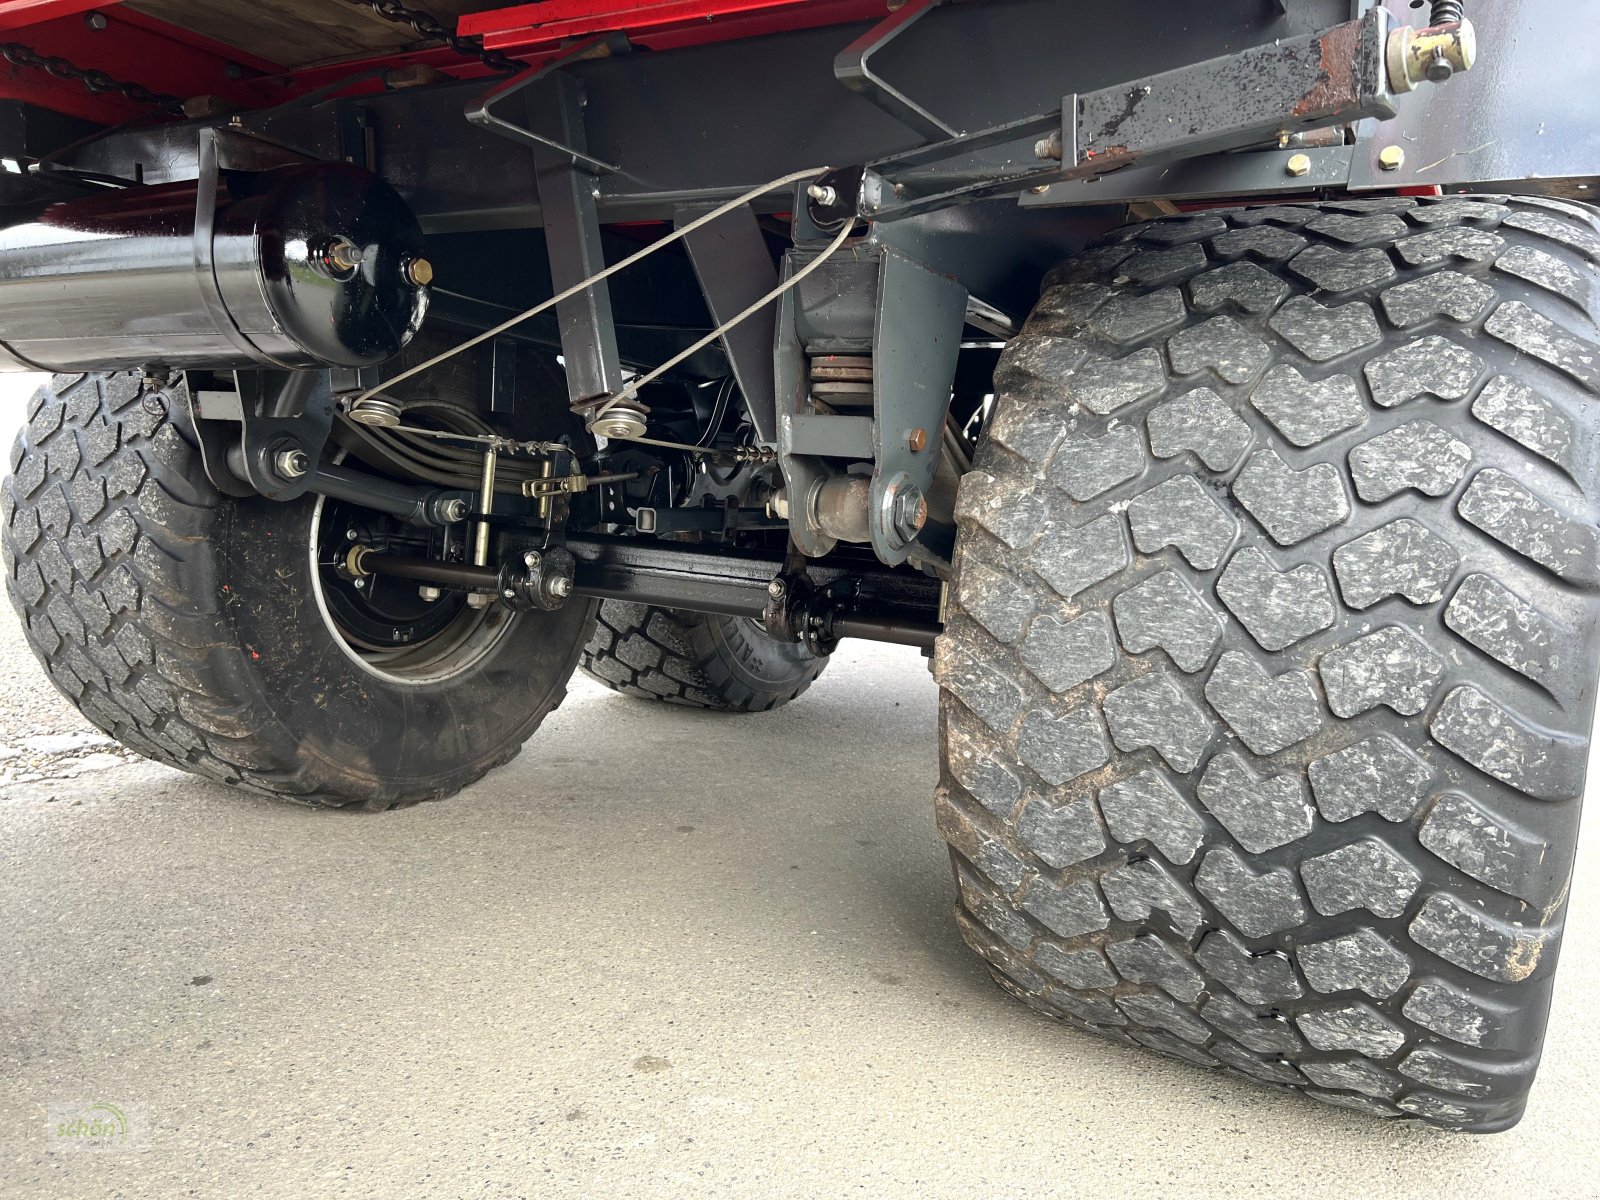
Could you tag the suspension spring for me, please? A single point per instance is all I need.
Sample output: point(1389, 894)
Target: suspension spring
point(842, 381)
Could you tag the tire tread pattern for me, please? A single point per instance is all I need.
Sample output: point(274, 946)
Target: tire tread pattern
point(1329, 476)
point(701, 660)
point(111, 536)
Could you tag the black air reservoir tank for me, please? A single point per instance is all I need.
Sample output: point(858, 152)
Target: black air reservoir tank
point(303, 266)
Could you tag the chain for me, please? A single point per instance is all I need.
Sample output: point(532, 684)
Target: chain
point(429, 29)
point(96, 82)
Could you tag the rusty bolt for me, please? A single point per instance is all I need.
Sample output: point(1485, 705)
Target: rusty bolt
point(1390, 158)
point(1298, 164)
point(918, 440)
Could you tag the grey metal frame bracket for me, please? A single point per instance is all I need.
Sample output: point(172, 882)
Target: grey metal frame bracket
point(915, 340)
point(734, 267)
point(853, 68)
point(871, 300)
point(480, 110)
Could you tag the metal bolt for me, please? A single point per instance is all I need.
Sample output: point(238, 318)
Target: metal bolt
point(430, 593)
point(775, 588)
point(292, 464)
point(477, 600)
point(531, 560)
point(233, 71)
point(360, 583)
point(95, 20)
point(509, 593)
point(454, 509)
point(351, 535)
point(918, 440)
point(1298, 164)
point(908, 510)
point(1390, 158)
point(1439, 68)
point(418, 272)
point(823, 194)
point(561, 587)
point(343, 255)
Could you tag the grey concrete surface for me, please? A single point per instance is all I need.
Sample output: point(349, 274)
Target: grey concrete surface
point(662, 954)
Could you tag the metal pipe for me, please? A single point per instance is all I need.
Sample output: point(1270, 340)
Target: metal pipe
point(480, 548)
point(693, 578)
point(886, 629)
point(414, 505)
point(428, 570)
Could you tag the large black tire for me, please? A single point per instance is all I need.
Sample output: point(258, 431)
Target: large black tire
point(699, 659)
point(186, 625)
point(1270, 660)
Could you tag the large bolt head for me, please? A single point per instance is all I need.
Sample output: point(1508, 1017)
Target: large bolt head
point(1391, 158)
point(1298, 164)
point(909, 512)
point(418, 272)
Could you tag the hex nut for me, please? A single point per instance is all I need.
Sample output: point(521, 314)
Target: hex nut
point(1298, 164)
point(908, 511)
point(1391, 158)
point(292, 464)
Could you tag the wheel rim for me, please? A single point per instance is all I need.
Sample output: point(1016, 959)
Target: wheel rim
point(385, 626)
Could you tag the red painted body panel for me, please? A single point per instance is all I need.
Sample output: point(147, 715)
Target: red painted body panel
point(168, 59)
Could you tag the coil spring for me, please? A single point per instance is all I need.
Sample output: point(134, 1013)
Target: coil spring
point(1446, 12)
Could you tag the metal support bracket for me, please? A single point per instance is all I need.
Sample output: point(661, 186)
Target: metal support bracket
point(480, 111)
point(1259, 96)
point(853, 69)
point(281, 422)
point(266, 436)
point(881, 305)
point(572, 238)
point(915, 341)
point(734, 267)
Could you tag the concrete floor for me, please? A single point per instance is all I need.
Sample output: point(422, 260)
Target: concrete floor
point(662, 954)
